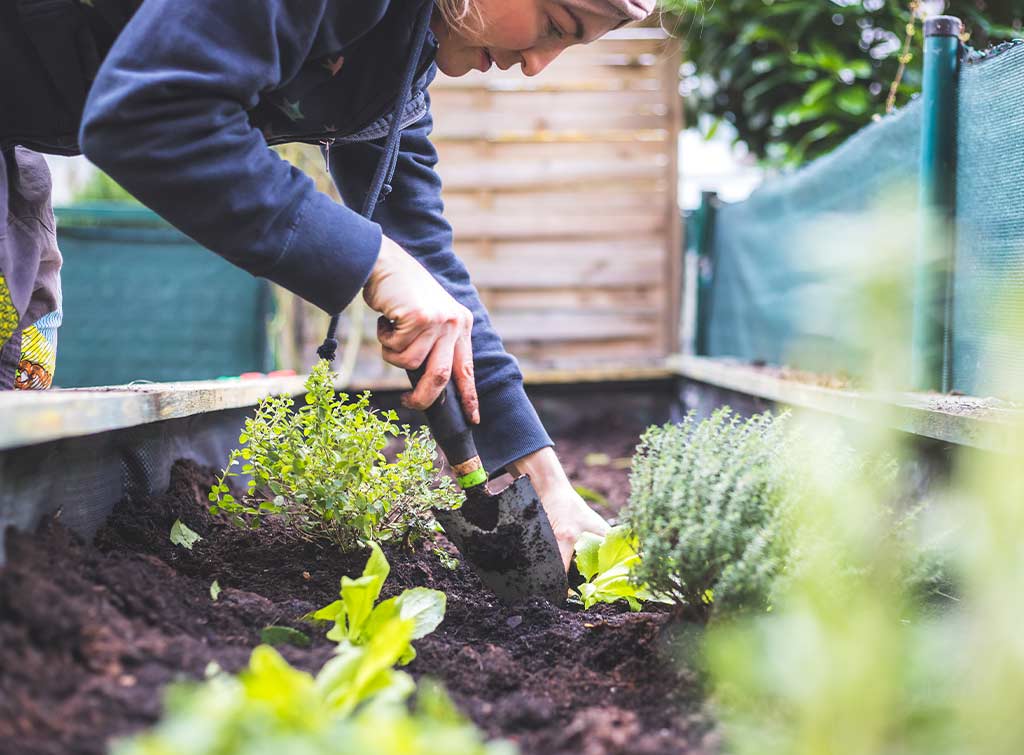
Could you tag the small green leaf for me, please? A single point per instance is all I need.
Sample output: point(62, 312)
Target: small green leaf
point(587, 548)
point(607, 564)
point(620, 546)
point(278, 635)
point(328, 613)
point(215, 590)
point(423, 607)
point(183, 536)
point(590, 495)
point(358, 597)
point(377, 565)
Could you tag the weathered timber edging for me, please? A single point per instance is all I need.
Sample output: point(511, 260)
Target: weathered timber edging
point(31, 417)
point(986, 423)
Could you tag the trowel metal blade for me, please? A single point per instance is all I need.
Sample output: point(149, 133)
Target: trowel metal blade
point(507, 539)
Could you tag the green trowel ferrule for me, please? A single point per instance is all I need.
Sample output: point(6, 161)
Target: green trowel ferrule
point(477, 477)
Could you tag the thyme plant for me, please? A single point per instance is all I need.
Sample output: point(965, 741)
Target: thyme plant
point(707, 504)
point(322, 467)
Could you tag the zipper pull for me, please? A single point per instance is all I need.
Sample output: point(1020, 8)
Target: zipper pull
point(326, 144)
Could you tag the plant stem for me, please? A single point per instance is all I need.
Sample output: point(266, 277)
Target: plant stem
point(905, 57)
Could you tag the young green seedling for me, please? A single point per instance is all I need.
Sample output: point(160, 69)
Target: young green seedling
point(607, 564)
point(357, 616)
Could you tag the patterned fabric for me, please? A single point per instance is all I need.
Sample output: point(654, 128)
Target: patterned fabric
point(8, 314)
point(38, 353)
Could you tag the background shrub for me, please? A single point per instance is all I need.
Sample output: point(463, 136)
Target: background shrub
point(796, 78)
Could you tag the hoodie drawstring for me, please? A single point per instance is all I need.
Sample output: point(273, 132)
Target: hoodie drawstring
point(380, 187)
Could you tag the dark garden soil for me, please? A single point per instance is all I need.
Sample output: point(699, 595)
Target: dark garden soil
point(91, 633)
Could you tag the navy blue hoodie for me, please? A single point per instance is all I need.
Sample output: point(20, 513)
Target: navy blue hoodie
point(191, 93)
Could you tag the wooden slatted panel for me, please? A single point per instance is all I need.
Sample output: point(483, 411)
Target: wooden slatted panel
point(561, 190)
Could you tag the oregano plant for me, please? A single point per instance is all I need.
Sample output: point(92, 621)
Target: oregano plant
point(322, 466)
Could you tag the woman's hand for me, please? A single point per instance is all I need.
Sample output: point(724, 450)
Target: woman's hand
point(421, 324)
point(569, 514)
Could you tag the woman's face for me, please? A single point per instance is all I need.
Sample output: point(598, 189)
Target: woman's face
point(530, 33)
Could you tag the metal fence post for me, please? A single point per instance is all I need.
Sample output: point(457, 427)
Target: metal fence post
point(933, 264)
point(705, 232)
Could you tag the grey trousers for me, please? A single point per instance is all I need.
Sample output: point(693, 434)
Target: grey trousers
point(30, 262)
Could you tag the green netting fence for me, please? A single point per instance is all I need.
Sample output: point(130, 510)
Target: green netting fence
point(143, 301)
point(989, 267)
point(784, 272)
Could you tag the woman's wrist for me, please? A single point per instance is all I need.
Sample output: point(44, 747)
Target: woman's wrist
point(543, 468)
point(385, 260)
point(569, 515)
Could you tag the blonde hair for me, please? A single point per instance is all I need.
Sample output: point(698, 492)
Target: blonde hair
point(458, 14)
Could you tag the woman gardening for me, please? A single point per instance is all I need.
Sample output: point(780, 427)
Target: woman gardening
point(180, 100)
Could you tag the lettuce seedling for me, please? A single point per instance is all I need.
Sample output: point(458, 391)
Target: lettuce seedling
point(354, 706)
point(322, 467)
point(607, 563)
point(357, 616)
point(272, 707)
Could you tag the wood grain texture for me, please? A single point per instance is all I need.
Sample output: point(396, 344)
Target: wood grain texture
point(31, 417)
point(963, 420)
point(561, 191)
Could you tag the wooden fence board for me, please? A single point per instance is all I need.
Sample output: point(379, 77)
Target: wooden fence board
point(584, 265)
point(455, 153)
point(561, 190)
point(638, 301)
point(544, 177)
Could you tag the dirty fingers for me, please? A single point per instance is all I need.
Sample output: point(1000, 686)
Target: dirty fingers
point(421, 325)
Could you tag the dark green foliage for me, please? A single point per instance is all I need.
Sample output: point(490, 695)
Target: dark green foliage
point(798, 77)
point(707, 502)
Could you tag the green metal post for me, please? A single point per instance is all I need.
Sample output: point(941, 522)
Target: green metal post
point(936, 246)
point(704, 230)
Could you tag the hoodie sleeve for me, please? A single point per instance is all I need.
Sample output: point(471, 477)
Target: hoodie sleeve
point(412, 215)
point(166, 118)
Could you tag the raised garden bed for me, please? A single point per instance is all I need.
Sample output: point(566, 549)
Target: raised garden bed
point(91, 633)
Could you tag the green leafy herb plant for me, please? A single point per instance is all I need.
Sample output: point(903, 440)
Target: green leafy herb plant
point(708, 504)
point(322, 466)
point(607, 564)
point(357, 617)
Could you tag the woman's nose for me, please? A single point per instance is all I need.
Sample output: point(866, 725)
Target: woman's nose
point(537, 59)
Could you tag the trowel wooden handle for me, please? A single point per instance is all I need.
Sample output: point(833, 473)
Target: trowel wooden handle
point(453, 434)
